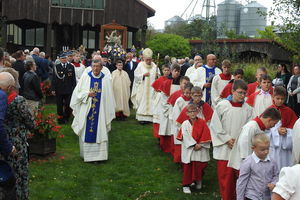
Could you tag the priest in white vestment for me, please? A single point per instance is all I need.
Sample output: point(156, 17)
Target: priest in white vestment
point(203, 76)
point(143, 94)
point(93, 108)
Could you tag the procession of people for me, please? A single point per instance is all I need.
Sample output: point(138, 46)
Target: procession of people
point(251, 129)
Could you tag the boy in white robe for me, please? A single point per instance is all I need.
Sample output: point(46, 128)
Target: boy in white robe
point(255, 86)
point(170, 86)
point(78, 66)
point(121, 88)
point(143, 94)
point(262, 99)
point(195, 149)
point(157, 86)
point(93, 108)
point(242, 145)
point(180, 103)
point(219, 82)
point(237, 75)
point(281, 134)
point(227, 121)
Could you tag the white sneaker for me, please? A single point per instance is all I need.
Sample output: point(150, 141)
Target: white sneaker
point(186, 190)
point(198, 185)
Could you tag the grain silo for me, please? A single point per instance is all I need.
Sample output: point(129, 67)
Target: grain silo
point(252, 19)
point(228, 17)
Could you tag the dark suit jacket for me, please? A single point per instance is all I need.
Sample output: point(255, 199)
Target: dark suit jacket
point(63, 80)
point(19, 66)
point(130, 70)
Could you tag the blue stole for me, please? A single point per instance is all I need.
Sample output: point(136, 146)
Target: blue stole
point(93, 116)
point(209, 72)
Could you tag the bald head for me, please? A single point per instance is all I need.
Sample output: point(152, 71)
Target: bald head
point(211, 60)
point(6, 80)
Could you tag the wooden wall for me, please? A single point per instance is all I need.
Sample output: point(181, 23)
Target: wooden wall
point(125, 12)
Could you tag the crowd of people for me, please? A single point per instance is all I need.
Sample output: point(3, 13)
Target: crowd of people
point(193, 107)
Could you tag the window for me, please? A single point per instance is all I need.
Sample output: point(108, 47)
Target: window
point(129, 41)
point(34, 37)
point(89, 39)
point(30, 37)
point(14, 34)
point(92, 4)
point(39, 37)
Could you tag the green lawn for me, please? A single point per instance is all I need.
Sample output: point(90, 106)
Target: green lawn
point(137, 169)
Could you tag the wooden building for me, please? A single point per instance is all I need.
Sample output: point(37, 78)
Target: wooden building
point(53, 25)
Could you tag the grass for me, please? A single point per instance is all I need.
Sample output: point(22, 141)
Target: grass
point(137, 169)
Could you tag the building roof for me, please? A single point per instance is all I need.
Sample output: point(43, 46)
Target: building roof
point(148, 7)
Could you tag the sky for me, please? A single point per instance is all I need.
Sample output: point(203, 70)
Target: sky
point(165, 9)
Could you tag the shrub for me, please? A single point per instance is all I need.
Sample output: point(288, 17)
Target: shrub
point(169, 44)
point(250, 70)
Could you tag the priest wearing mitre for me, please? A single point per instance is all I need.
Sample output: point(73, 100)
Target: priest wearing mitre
point(143, 94)
point(93, 108)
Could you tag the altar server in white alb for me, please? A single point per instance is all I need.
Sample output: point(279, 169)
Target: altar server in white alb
point(281, 134)
point(203, 76)
point(229, 117)
point(121, 87)
point(219, 82)
point(242, 146)
point(195, 148)
point(142, 93)
point(288, 186)
point(93, 107)
point(262, 99)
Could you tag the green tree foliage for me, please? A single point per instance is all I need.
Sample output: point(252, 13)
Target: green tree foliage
point(169, 44)
point(231, 34)
point(198, 28)
point(287, 13)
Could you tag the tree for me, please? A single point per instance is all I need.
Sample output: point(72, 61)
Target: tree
point(169, 44)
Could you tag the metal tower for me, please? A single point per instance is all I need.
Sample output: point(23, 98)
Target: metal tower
point(208, 8)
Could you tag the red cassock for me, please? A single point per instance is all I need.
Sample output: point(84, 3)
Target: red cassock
point(157, 85)
point(194, 170)
point(207, 112)
point(227, 90)
point(288, 116)
point(252, 88)
point(172, 99)
point(167, 141)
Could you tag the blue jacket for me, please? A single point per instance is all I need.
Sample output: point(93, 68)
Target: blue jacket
point(42, 67)
point(5, 144)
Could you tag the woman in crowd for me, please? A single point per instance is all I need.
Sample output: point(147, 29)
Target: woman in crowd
point(32, 88)
point(293, 89)
point(283, 74)
point(18, 122)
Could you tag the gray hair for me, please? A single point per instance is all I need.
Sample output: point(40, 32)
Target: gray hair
point(14, 73)
point(97, 62)
point(6, 80)
point(36, 50)
point(42, 54)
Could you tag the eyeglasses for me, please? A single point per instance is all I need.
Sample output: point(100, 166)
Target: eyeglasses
point(241, 93)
